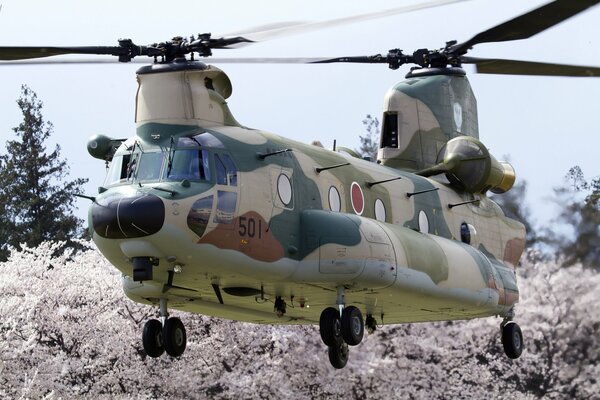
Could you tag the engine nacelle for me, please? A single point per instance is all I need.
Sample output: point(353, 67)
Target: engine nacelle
point(469, 165)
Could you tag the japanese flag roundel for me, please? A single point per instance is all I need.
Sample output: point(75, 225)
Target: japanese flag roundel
point(357, 198)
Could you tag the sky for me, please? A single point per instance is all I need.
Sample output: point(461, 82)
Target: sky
point(545, 124)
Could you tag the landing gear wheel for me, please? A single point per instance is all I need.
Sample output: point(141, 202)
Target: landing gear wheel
point(174, 337)
point(338, 354)
point(353, 325)
point(152, 338)
point(329, 326)
point(512, 339)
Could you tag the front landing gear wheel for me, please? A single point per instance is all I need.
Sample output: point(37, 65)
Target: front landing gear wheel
point(338, 354)
point(329, 326)
point(174, 337)
point(512, 339)
point(152, 338)
point(353, 325)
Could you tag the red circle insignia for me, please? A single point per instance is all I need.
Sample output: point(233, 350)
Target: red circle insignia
point(357, 198)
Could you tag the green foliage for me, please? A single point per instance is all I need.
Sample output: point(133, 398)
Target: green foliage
point(576, 231)
point(369, 143)
point(36, 196)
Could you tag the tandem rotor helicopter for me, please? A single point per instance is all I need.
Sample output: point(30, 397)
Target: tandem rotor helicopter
point(205, 215)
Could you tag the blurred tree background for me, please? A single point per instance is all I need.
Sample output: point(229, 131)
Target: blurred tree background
point(37, 199)
point(369, 141)
point(58, 340)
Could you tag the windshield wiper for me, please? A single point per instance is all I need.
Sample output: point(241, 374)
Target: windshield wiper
point(170, 158)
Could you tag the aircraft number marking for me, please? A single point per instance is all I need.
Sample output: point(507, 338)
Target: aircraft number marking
point(248, 227)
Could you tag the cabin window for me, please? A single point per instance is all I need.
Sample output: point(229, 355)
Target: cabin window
point(423, 222)
point(379, 210)
point(199, 215)
point(284, 189)
point(335, 203)
point(465, 233)
point(468, 234)
point(226, 203)
point(190, 164)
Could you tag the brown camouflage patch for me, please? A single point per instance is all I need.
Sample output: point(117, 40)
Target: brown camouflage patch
point(251, 235)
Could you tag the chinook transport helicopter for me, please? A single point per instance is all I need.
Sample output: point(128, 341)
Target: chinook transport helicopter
point(204, 215)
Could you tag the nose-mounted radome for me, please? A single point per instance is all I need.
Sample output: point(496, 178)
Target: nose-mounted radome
point(130, 216)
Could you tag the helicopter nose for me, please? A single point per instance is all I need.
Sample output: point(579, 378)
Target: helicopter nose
point(128, 217)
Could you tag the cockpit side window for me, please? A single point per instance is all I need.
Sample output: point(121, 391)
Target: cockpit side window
point(226, 170)
point(118, 169)
point(132, 167)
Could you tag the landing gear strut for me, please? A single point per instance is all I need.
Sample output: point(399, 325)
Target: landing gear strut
point(168, 335)
point(340, 328)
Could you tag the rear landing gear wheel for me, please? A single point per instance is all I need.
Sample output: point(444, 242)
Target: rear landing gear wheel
point(353, 325)
point(152, 338)
point(512, 340)
point(174, 337)
point(330, 326)
point(338, 354)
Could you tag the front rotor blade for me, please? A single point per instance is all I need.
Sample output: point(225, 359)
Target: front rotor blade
point(212, 60)
point(24, 53)
point(267, 60)
point(517, 67)
point(528, 24)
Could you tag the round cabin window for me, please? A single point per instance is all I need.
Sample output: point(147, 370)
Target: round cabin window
point(284, 189)
point(379, 210)
point(423, 222)
point(335, 203)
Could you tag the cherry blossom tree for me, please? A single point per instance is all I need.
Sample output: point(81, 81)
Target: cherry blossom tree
point(68, 331)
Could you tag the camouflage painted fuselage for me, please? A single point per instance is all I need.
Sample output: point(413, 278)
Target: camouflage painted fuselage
point(266, 216)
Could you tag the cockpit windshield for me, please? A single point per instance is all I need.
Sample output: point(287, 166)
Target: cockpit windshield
point(188, 158)
point(190, 164)
point(149, 168)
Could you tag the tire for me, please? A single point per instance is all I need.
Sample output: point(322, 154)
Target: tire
point(329, 326)
point(353, 325)
point(338, 354)
point(152, 338)
point(512, 340)
point(174, 337)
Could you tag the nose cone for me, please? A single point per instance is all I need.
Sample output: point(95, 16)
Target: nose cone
point(128, 216)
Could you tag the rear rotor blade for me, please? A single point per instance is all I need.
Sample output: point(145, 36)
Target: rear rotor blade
point(288, 29)
point(376, 59)
point(526, 25)
point(517, 67)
